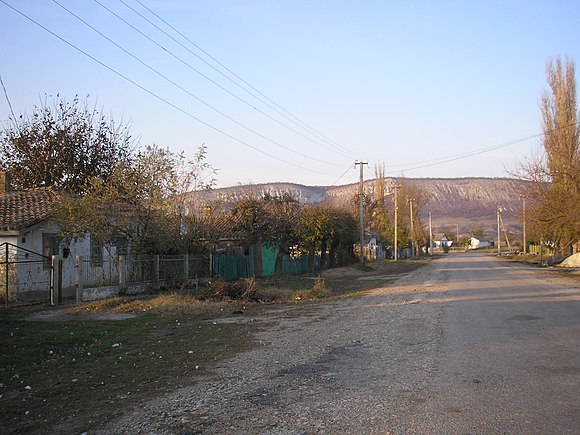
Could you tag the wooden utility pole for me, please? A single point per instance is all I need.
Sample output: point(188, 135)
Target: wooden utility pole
point(396, 226)
point(430, 236)
point(498, 231)
point(525, 247)
point(410, 200)
point(361, 194)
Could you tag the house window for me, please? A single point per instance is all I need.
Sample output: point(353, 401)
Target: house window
point(49, 247)
point(96, 253)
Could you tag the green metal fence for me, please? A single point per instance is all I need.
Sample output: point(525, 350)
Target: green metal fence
point(234, 266)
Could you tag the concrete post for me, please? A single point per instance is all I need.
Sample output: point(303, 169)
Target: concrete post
point(156, 271)
point(79, 278)
point(122, 267)
point(55, 281)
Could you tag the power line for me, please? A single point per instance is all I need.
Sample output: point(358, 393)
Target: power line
point(158, 97)
point(461, 156)
point(167, 51)
point(282, 112)
point(342, 175)
point(7, 99)
point(182, 88)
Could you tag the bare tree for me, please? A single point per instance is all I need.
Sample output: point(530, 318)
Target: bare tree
point(63, 146)
point(560, 123)
point(555, 198)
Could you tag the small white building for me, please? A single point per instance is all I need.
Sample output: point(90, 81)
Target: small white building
point(28, 240)
point(475, 243)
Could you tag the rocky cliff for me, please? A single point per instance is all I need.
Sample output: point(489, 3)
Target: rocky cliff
point(472, 198)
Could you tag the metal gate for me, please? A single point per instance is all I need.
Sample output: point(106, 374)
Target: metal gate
point(25, 276)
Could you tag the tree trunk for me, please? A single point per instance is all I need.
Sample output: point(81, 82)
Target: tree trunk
point(258, 269)
point(332, 255)
point(323, 255)
point(279, 258)
point(311, 258)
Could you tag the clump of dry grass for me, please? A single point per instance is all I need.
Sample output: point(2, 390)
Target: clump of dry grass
point(161, 303)
point(250, 288)
point(318, 291)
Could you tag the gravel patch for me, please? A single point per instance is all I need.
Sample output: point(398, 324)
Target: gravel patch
point(354, 365)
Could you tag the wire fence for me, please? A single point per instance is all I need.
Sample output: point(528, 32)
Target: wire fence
point(158, 270)
point(25, 276)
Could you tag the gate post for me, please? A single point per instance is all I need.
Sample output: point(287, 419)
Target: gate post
point(79, 278)
point(55, 281)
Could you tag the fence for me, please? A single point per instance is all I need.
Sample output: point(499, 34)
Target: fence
point(540, 249)
point(25, 276)
point(31, 276)
point(134, 274)
point(235, 266)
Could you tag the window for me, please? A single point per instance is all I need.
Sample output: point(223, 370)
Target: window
point(49, 247)
point(96, 253)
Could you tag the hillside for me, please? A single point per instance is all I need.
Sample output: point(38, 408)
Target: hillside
point(467, 202)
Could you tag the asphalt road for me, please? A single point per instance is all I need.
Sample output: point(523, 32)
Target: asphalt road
point(509, 355)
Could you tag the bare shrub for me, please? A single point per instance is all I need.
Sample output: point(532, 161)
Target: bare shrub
point(250, 288)
point(218, 289)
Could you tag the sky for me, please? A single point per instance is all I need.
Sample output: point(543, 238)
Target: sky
point(298, 91)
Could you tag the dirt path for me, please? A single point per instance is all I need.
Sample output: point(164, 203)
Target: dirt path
point(353, 365)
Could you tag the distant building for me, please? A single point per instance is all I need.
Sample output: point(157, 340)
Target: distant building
point(477, 244)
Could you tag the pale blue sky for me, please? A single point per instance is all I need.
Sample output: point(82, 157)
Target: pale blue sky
point(402, 83)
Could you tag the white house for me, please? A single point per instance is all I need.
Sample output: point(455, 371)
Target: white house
point(28, 239)
point(476, 243)
point(442, 242)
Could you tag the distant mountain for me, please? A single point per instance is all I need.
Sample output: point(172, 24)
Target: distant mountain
point(467, 202)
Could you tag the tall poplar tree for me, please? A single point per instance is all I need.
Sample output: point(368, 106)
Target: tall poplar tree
point(556, 197)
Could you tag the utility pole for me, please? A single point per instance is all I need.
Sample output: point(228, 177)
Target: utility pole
point(430, 236)
point(361, 194)
point(396, 226)
point(410, 200)
point(456, 234)
point(498, 233)
point(523, 198)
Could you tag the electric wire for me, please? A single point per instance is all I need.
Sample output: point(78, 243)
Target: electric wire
point(469, 153)
point(429, 163)
point(185, 90)
point(342, 175)
point(281, 111)
point(188, 65)
point(7, 99)
point(158, 97)
point(461, 156)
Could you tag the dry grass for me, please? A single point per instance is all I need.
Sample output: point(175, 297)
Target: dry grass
point(165, 303)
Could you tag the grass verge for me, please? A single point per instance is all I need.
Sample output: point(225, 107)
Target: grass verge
point(72, 376)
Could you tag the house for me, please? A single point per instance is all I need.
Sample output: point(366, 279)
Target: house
point(443, 241)
point(28, 240)
point(475, 243)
